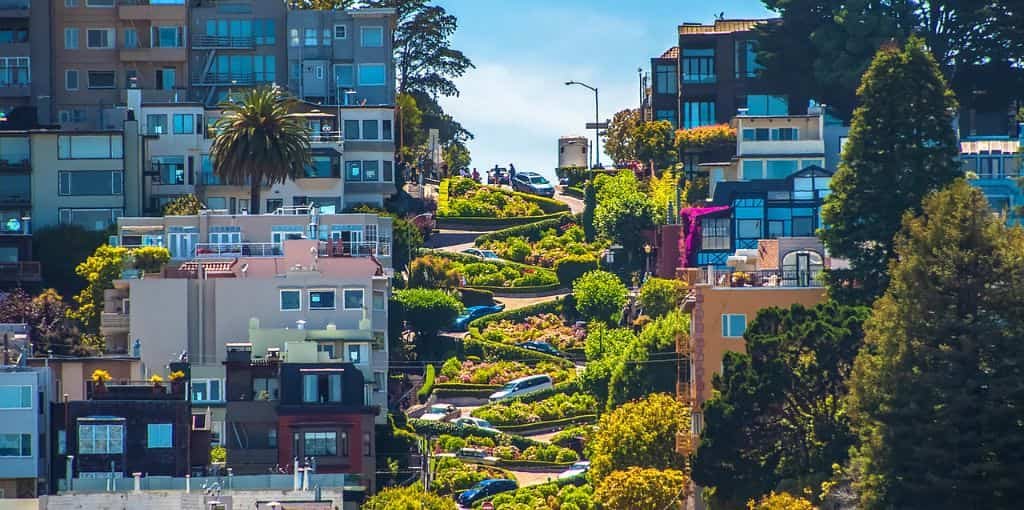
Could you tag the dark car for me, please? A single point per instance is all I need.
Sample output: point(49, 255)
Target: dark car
point(534, 183)
point(485, 489)
point(544, 347)
point(497, 176)
point(472, 313)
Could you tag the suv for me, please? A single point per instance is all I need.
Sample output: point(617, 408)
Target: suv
point(532, 182)
point(485, 489)
point(522, 386)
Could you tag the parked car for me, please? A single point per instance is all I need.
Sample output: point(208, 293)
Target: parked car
point(577, 469)
point(532, 182)
point(474, 312)
point(497, 176)
point(425, 223)
point(484, 254)
point(522, 386)
point(469, 421)
point(486, 489)
point(441, 412)
point(544, 347)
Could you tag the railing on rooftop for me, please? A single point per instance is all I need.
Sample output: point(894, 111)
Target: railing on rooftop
point(767, 278)
point(331, 248)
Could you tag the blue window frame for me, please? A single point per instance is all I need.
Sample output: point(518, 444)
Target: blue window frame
point(733, 325)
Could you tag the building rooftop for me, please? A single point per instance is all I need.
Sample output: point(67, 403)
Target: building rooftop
point(721, 26)
point(672, 52)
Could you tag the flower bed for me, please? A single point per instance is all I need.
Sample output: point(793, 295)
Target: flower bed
point(452, 475)
point(445, 270)
point(546, 327)
point(552, 246)
point(497, 372)
point(556, 407)
point(505, 451)
point(465, 198)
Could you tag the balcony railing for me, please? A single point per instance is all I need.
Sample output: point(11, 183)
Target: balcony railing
point(231, 250)
point(20, 271)
point(113, 320)
point(764, 278)
point(225, 79)
point(222, 41)
point(325, 136)
point(355, 249)
point(277, 482)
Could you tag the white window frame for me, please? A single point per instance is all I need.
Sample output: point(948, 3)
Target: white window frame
point(206, 382)
point(344, 31)
point(21, 445)
point(727, 331)
point(293, 38)
point(280, 300)
point(362, 302)
point(384, 300)
point(73, 40)
point(359, 79)
point(107, 428)
point(371, 27)
point(309, 298)
point(111, 38)
point(78, 79)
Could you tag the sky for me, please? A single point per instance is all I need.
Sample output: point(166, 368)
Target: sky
point(516, 102)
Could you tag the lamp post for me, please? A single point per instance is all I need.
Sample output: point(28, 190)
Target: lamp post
point(597, 120)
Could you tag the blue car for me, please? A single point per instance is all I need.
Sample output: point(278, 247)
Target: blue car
point(485, 489)
point(474, 312)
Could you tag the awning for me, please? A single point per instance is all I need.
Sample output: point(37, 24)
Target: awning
point(142, 228)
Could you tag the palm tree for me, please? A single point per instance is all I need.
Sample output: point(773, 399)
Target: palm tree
point(260, 140)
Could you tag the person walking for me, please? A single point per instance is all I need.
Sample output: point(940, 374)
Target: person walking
point(511, 173)
point(476, 175)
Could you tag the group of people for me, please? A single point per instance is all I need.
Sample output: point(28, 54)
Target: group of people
point(475, 174)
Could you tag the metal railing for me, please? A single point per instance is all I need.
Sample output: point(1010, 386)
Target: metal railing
point(764, 278)
point(121, 483)
point(222, 41)
point(14, 4)
point(325, 136)
point(335, 248)
point(113, 320)
point(231, 250)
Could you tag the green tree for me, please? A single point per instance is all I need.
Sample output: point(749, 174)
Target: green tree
point(410, 118)
point(655, 141)
point(46, 315)
point(260, 141)
point(901, 139)
point(604, 348)
point(589, 205)
point(600, 296)
point(664, 192)
point(659, 296)
point(99, 271)
point(623, 212)
point(638, 488)
point(641, 434)
point(936, 393)
point(59, 250)
point(408, 498)
point(648, 364)
point(456, 156)
point(777, 415)
point(185, 205)
point(149, 259)
point(428, 310)
point(620, 142)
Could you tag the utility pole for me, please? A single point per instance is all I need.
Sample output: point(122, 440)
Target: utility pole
point(597, 122)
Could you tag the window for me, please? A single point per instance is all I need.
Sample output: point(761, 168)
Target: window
point(71, 79)
point(70, 38)
point(372, 37)
point(353, 299)
point(385, 130)
point(131, 78)
point(698, 65)
point(99, 38)
point(748, 229)
point(320, 444)
point(698, 113)
point(326, 39)
point(320, 388)
point(669, 115)
point(343, 76)
point(102, 79)
point(14, 71)
point(90, 219)
point(714, 233)
point(370, 130)
point(184, 124)
point(353, 171)
point(15, 445)
point(388, 174)
point(70, 3)
point(13, 35)
point(15, 397)
point(90, 182)
point(785, 134)
point(159, 435)
point(733, 325)
point(371, 74)
point(322, 166)
point(370, 172)
point(318, 71)
point(379, 301)
point(265, 388)
point(781, 168)
point(758, 104)
point(206, 390)
point(293, 37)
point(321, 300)
point(156, 123)
point(756, 134)
point(753, 169)
point(274, 204)
point(166, 37)
point(100, 439)
point(310, 37)
point(746, 59)
point(665, 79)
point(263, 30)
point(357, 354)
point(165, 78)
point(99, 3)
point(170, 169)
point(803, 226)
point(340, 31)
point(351, 129)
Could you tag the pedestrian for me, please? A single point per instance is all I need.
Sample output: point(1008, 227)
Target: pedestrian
point(476, 175)
point(511, 173)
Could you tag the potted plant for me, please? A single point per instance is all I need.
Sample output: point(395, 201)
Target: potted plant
point(99, 379)
point(157, 381)
point(741, 279)
point(177, 381)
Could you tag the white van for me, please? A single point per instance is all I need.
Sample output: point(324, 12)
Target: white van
point(522, 386)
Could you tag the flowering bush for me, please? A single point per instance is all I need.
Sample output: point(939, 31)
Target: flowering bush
point(704, 137)
point(466, 199)
point(496, 372)
point(452, 475)
point(552, 246)
point(545, 327)
point(101, 376)
point(555, 407)
point(435, 271)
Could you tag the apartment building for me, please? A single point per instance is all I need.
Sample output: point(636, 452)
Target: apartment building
point(663, 94)
point(25, 396)
point(996, 165)
point(25, 53)
point(104, 47)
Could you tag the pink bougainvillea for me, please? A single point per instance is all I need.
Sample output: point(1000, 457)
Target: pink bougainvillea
point(691, 224)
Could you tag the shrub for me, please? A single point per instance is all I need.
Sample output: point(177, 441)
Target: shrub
point(557, 407)
point(428, 384)
point(517, 250)
point(544, 327)
point(449, 269)
point(476, 297)
point(451, 368)
point(659, 296)
point(530, 231)
point(427, 310)
point(218, 454)
point(569, 269)
point(600, 296)
point(150, 259)
point(501, 372)
point(185, 205)
point(430, 272)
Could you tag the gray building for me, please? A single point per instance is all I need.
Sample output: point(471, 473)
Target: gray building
point(25, 57)
point(342, 57)
point(25, 396)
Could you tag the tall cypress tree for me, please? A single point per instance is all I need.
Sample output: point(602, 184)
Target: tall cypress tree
point(937, 392)
point(901, 146)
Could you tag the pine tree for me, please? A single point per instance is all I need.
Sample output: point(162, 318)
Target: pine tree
point(901, 146)
point(589, 204)
point(937, 392)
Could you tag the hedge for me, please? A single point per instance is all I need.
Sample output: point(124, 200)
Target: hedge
point(489, 224)
point(568, 387)
point(524, 463)
point(474, 345)
point(573, 191)
point(548, 205)
point(466, 386)
point(505, 291)
point(437, 428)
point(446, 393)
point(574, 420)
point(476, 297)
point(519, 314)
point(530, 231)
point(466, 258)
point(428, 384)
point(574, 266)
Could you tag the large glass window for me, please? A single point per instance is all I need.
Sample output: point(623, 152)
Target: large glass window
point(102, 79)
point(753, 169)
point(90, 219)
point(714, 233)
point(372, 74)
point(322, 166)
point(746, 59)
point(370, 171)
point(758, 104)
point(343, 76)
point(91, 183)
point(321, 388)
point(353, 299)
point(781, 168)
point(698, 65)
point(351, 129)
point(159, 435)
point(170, 169)
point(320, 444)
point(10, 35)
point(99, 38)
point(206, 390)
point(14, 150)
point(385, 129)
point(71, 35)
point(184, 123)
point(698, 113)
point(291, 299)
point(263, 30)
point(15, 445)
point(15, 71)
point(100, 439)
point(156, 123)
point(353, 171)
point(321, 300)
point(167, 37)
point(370, 130)
point(265, 388)
point(131, 38)
point(15, 397)
point(733, 325)
point(665, 79)
point(309, 37)
point(372, 37)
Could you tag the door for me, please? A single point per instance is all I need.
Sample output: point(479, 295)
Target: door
point(803, 269)
point(182, 245)
point(167, 78)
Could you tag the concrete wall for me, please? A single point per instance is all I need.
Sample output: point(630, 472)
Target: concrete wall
point(162, 319)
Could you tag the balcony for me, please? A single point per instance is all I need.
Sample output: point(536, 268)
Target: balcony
point(217, 42)
point(814, 148)
point(335, 248)
point(153, 55)
point(141, 10)
point(326, 249)
point(20, 272)
point(151, 96)
point(14, 8)
point(224, 79)
point(113, 323)
point(765, 278)
point(11, 164)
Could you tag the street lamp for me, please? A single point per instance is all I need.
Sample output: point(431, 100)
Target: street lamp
point(597, 120)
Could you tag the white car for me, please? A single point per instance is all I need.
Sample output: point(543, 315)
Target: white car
point(522, 386)
point(577, 469)
point(441, 412)
point(469, 421)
